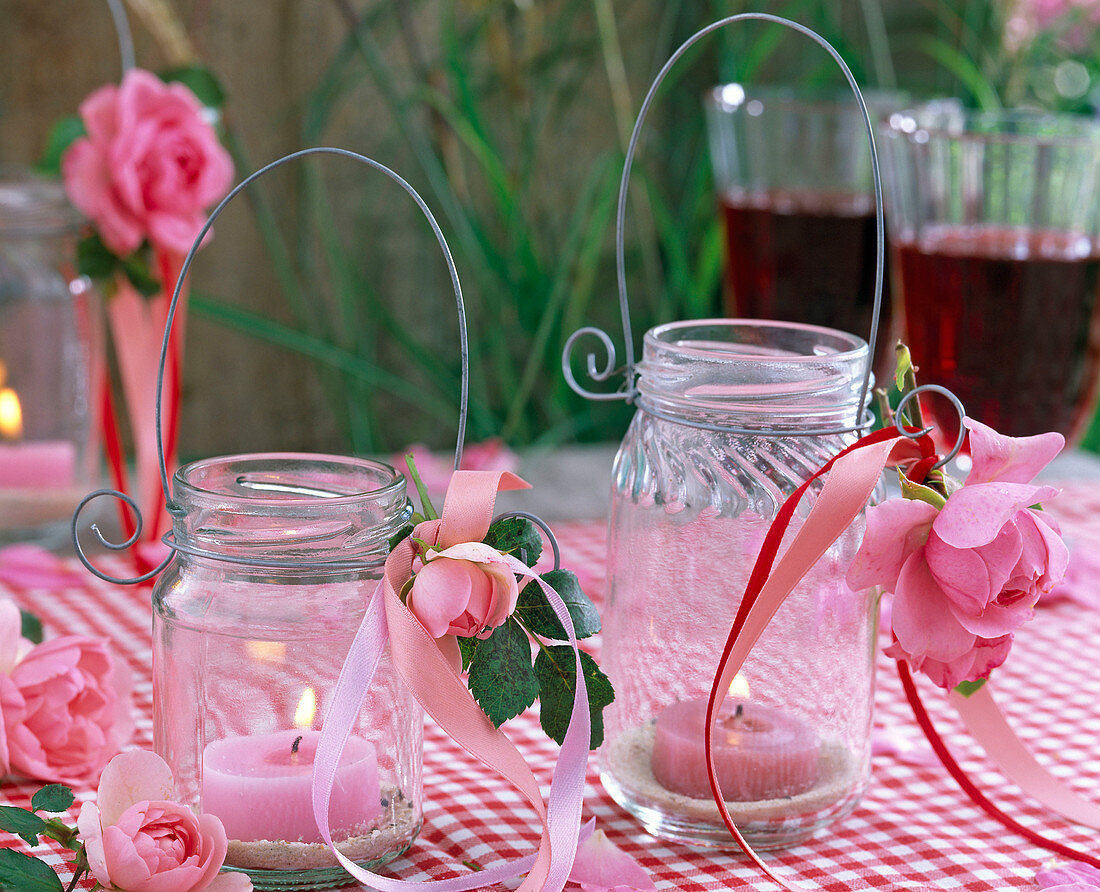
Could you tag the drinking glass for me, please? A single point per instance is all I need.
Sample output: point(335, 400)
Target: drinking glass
point(993, 232)
point(793, 173)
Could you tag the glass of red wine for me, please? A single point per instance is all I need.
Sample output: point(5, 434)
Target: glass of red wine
point(994, 226)
point(793, 173)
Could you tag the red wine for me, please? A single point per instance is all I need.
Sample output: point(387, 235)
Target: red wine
point(803, 257)
point(1007, 319)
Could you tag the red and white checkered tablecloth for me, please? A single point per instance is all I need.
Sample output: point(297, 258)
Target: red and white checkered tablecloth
point(914, 830)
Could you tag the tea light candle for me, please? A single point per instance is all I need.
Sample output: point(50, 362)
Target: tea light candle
point(36, 464)
point(759, 752)
point(39, 464)
point(261, 786)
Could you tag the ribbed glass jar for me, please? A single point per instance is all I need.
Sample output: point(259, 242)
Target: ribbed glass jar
point(50, 357)
point(725, 431)
point(277, 557)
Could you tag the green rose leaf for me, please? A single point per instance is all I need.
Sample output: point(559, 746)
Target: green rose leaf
point(22, 873)
point(94, 259)
point(467, 647)
point(501, 678)
point(54, 798)
point(518, 536)
point(557, 676)
point(534, 610)
point(969, 688)
point(136, 268)
point(64, 132)
point(31, 626)
point(22, 823)
point(199, 80)
point(404, 532)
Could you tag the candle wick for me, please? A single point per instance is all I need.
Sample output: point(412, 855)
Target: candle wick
point(298, 740)
point(740, 711)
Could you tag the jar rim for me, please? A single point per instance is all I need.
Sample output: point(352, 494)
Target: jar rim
point(32, 204)
point(257, 494)
point(931, 120)
point(663, 337)
point(733, 95)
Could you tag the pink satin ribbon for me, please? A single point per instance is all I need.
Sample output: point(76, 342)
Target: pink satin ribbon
point(431, 676)
point(987, 725)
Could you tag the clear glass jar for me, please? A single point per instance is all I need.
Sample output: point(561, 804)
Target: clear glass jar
point(50, 356)
point(277, 557)
point(721, 438)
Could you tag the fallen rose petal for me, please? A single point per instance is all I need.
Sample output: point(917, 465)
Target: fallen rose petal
point(888, 742)
point(1074, 876)
point(31, 566)
point(230, 882)
point(601, 866)
point(1078, 584)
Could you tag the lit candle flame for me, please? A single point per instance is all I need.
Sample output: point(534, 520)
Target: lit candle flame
point(11, 415)
point(739, 687)
point(307, 709)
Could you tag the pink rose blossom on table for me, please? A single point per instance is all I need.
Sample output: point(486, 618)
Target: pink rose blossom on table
point(75, 711)
point(149, 167)
point(1073, 877)
point(461, 591)
point(966, 575)
point(601, 866)
point(64, 705)
point(136, 839)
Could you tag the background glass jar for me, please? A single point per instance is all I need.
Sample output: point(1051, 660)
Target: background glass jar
point(277, 557)
point(50, 356)
point(721, 438)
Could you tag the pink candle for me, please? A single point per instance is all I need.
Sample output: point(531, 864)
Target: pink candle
point(759, 752)
point(261, 787)
point(37, 464)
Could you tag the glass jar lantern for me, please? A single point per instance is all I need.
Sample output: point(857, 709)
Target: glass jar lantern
point(276, 558)
point(50, 349)
point(718, 443)
point(733, 416)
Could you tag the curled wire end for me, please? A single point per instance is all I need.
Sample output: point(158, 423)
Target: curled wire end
point(107, 543)
point(541, 524)
point(594, 372)
point(954, 400)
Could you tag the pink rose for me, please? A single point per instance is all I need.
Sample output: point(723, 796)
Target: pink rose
point(967, 575)
point(138, 840)
point(149, 167)
point(462, 591)
point(66, 709)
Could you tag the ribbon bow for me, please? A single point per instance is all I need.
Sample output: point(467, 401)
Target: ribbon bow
point(428, 668)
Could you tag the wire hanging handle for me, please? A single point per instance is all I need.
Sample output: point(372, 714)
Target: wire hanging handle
point(188, 260)
point(916, 435)
point(628, 389)
point(122, 32)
